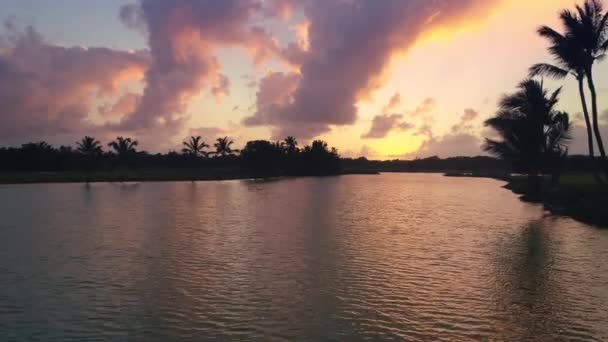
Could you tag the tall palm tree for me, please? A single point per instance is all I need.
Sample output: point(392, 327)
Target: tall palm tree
point(89, 146)
point(195, 146)
point(586, 29)
point(123, 146)
point(534, 135)
point(291, 144)
point(222, 147)
point(569, 61)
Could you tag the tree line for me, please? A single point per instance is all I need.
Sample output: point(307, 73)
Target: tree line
point(533, 135)
point(258, 158)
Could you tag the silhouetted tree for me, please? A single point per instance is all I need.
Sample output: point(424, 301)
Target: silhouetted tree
point(291, 145)
point(575, 52)
point(125, 150)
point(195, 147)
point(317, 160)
point(586, 39)
point(222, 147)
point(569, 61)
point(262, 158)
point(124, 146)
point(534, 135)
point(89, 146)
point(37, 155)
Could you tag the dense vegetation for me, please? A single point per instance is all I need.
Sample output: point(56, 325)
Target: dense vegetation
point(533, 134)
point(257, 159)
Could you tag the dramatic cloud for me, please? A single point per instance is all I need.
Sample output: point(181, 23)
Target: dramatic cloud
point(465, 123)
point(382, 124)
point(350, 44)
point(338, 55)
point(182, 35)
point(48, 90)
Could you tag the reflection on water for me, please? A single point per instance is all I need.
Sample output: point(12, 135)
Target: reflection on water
point(397, 256)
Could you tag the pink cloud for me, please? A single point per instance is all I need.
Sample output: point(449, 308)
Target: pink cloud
point(384, 123)
point(182, 36)
point(48, 90)
point(350, 45)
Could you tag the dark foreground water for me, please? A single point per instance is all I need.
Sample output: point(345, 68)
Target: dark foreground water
point(396, 256)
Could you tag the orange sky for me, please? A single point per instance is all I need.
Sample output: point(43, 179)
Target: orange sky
point(460, 67)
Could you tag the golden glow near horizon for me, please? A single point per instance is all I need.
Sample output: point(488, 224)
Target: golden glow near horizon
point(468, 66)
point(464, 64)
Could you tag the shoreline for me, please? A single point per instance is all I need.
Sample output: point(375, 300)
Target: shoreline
point(8, 178)
point(577, 196)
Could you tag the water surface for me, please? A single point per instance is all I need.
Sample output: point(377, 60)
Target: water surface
point(396, 256)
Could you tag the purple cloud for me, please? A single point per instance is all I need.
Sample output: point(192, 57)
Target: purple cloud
point(48, 90)
point(350, 45)
point(182, 35)
point(384, 123)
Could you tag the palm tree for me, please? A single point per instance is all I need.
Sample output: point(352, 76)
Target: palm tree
point(195, 146)
point(291, 144)
point(89, 146)
point(569, 60)
point(123, 146)
point(534, 135)
point(586, 35)
point(222, 147)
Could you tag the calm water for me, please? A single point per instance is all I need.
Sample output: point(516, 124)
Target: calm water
point(396, 256)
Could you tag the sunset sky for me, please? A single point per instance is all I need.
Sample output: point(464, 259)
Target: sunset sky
point(382, 79)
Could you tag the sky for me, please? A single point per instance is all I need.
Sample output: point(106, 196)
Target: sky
point(380, 79)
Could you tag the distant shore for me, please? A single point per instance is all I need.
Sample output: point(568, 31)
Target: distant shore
point(171, 175)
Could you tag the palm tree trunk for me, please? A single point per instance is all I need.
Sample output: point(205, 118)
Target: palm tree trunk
point(581, 91)
point(596, 128)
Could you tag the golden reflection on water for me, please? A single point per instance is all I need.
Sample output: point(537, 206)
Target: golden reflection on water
point(399, 256)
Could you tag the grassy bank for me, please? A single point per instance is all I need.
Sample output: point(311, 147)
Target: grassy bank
point(578, 195)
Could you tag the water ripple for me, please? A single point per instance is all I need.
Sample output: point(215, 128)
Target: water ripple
point(394, 257)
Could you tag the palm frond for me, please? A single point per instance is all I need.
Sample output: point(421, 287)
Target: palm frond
point(545, 69)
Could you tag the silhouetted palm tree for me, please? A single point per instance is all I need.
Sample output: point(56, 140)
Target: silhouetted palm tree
point(123, 146)
point(89, 146)
point(195, 146)
point(291, 145)
point(534, 135)
point(569, 61)
point(584, 42)
point(222, 147)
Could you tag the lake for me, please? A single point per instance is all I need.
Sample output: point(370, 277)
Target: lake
point(395, 256)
